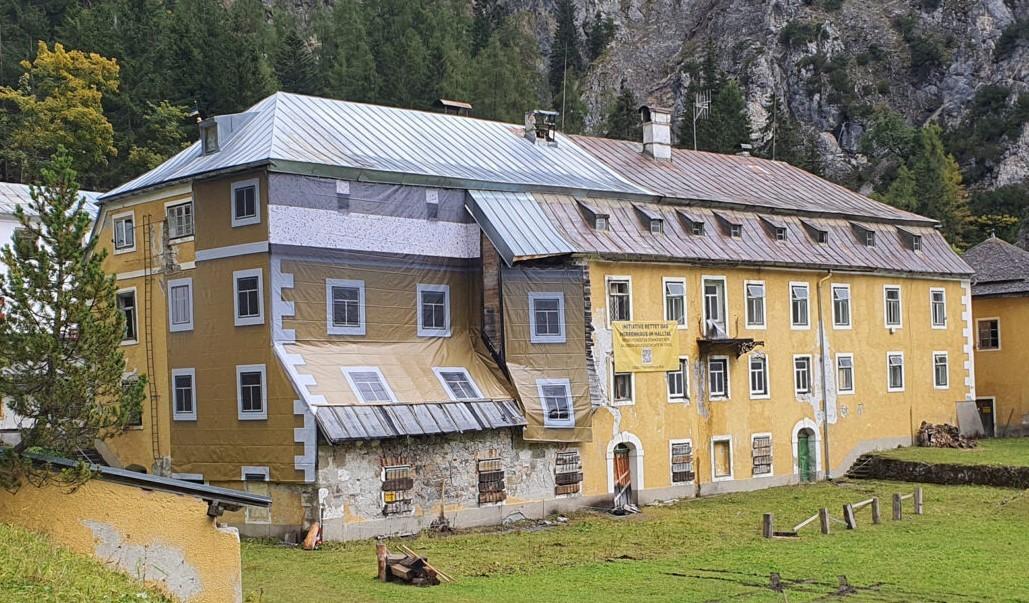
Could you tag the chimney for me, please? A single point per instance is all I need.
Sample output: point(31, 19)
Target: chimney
point(657, 132)
point(541, 126)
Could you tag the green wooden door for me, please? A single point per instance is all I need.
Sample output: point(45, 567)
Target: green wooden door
point(804, 460)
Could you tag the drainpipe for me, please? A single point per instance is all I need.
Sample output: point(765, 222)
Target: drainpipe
point(825, 377)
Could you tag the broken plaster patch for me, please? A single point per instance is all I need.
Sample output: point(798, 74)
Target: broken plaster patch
point(155, 562)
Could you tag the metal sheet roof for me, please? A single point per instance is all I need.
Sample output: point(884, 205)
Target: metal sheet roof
point(344, 423)
point(289, 128)
point(13, 194)
point(1000, 268)
point(733, 179)
point(517, 225)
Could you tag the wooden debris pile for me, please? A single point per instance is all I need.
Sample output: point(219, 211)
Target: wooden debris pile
point(407, 567)
point(943, 436)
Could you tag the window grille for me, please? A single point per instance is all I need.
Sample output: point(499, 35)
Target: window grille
point(762, 454)
point(491, 481)
point(397, 483)
point(567, 473)
point(682, 463)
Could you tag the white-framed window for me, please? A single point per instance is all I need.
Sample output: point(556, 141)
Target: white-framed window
point(715, 306)
point(938, 308)
point(987, 334)
point(675, 300)
point(547, 316)
point(369, 384)
point(184, 394)
point(556, 400)
point(622, 387)
point(679, 382)
point(126, 299)
point(248, 297)
point(457, 383)
point(619, 298)
point(180, 305)
point(124, 234)
point(841, 306)
point(845, 373)
point(345, 307)
point(891, 306)
point(800, 308)
point(869, 238)
point(180, 220)
point(758, 376)
point(433, 310)
point(761, 454)
point(895, 371)
point(941, 370)
point(251, 392)
point(781, 233)
point(718, 378)
point(250, 473)
point(802, 374)
point(255, 481)
point(681, 452)
point(721, 458)
point(246, 202)
point(755, 296)
point(736, 231)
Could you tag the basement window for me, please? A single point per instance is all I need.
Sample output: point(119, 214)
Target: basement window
point(491, 481)
point(761, 453)
point(682, 462)
point(567, 473)
point(397, 483)
point(255, 481)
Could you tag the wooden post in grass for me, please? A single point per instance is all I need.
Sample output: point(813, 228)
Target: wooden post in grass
point(875, 510)
point(918, 500)
point(380, 554)
point(767, 525)
point(848, 516)
point(897, 512)
point(823, 519)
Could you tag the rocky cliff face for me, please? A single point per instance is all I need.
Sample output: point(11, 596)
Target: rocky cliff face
point(832, 61)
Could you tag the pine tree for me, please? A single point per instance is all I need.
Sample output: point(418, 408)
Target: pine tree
point(251, 37)
point(61, 332)
point(940, 192)
point(346, 61)
point(782, 138)
point(729, 123)
point(401, 58)
point(294, 64)
point(623, 122)
point(488, 16)
point(599, 35)
point(505, 82)
point(902, 192)
point(198, 58)
point(565, 51)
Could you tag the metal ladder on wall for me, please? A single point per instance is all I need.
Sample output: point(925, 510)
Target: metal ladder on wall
point(148, 333)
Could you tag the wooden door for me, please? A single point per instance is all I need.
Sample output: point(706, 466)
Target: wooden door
point(804, 460)
point(623, 476)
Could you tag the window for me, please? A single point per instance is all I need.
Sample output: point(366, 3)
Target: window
point(251, 394)
point(761, 453)
point(736, 231)
point(619, 299)
point(845, 373)
point(127, 305)
point(547, 313)
point(556, 399)
point(718, 378)
point(491, 481)
point(895, 371)
point(916, 243)
point(721, 457)
point(675, 301)
point(941, 370)
point(822, 237)
point(567, 473)
point(180, 220)
point(397, 483)
point(841, 306)
point(209, 136)
point(758, 376)
point(988, 333)
point(799, 308)
point(184, 394)
point(679, 383)
point(780, 233)
point(621, 388)
point(938, 308)
point(458, 383)
point(124, 232)
point(246, 208)
point(714, 307)
point(755, 291)
point(180, 305)
point(657, 226)
point(869, 238)
point(345, 309)
point(600, 222)
point(697, 229)
point(434, 310)
point(802, 374)
point(248, 297)
point(891, 299)
point(255, 481)
point(682, 461)
point(369, 385)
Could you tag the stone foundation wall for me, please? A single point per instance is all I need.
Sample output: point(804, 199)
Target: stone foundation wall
point(878, 467)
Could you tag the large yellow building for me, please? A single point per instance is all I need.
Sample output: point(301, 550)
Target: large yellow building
point(1000, 308)
point(379, 316)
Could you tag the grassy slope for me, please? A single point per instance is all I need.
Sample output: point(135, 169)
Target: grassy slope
point(968, 546)
point(1000, 451)
point(33, 568)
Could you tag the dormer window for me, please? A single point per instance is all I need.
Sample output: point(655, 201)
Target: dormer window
point(869, 238)
point(911, 239)
point(864, 234)
point(735, 230)
point(652, 220)
point(691, 224)
point(209, 136)
point(780, 233)
point(822, 237)
point(729, 226)
point(818, 235)
point(596, 218)
point(916, 243)
point(697, 229)
point(657, 226)
point(600, 222)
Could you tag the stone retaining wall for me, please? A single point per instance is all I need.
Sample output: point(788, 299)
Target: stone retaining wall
point(879, 467)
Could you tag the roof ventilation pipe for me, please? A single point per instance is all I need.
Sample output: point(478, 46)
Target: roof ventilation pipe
point(541, 126)
point(657, 132)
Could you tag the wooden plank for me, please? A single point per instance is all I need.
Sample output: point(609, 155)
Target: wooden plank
point(800, 525)
point(862, 504)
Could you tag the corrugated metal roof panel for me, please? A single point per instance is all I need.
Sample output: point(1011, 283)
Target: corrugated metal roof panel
point(374, 422)
point(516, 225)
point(13, 194)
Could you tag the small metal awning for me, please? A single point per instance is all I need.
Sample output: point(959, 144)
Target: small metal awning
point(737, 345)
point(383, 421)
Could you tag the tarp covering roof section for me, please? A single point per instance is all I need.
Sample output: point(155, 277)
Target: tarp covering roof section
point(517, 225)
point(342, 423)
point(1000, 268)
point(290, 128)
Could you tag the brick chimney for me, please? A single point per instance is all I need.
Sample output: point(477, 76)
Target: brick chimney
point(657, 132)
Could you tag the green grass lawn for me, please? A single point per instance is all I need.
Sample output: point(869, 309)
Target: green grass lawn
point(971, 545)
point(1013, 452)
point(34, 569)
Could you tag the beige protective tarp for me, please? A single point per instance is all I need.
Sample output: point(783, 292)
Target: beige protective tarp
point(645, 346)
point(531, 364)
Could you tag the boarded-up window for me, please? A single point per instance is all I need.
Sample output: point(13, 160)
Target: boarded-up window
point(567, 473)
point(762, 454)
point(722, 452)
point(682, 462)
point(491, 481)
point(397, 483)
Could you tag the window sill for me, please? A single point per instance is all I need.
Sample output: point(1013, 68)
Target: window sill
point(845, 393)
point(118, 251)
point(240, 222)
point(185, 418)
point(127, 342)
point(761, 396)
point(756, 327)
point(558, 426)
point(545, 339)
point(253, 417)
point(719, 399)
point(895, 391)
point(837, 327)
point(806, 327)
point(683, 401)
point(248, 321)
point(430, 333)
point(185, 239)
point(724, 478)
point(623, 403)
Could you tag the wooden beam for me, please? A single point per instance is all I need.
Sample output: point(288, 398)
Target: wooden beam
point(848, 516)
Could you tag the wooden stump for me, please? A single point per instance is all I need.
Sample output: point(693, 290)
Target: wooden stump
point(897, 509)
point(918, 500)
point(876, 519)
point(823, 519)
point(848, 516)
point(767, 525)
point(380, 555)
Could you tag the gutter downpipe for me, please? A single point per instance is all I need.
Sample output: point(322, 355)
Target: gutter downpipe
point(825, 376)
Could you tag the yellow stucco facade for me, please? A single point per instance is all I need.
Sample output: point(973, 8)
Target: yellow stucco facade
point(1000, 370)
